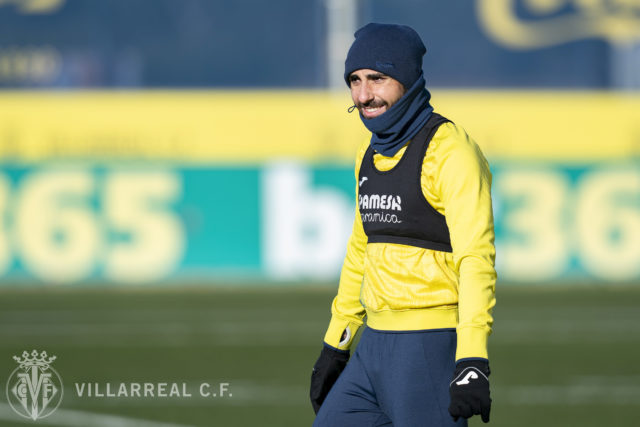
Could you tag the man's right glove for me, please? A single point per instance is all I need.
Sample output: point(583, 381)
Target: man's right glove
point(326, 371)
point(469, 390)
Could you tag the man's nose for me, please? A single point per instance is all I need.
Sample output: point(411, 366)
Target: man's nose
point(364, 93)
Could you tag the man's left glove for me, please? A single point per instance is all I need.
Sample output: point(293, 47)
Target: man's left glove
point(326, 371)
point(469, 390)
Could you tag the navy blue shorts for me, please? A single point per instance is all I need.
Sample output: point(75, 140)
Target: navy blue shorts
point(394, 378)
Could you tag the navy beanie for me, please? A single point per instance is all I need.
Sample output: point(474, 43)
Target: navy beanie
point(394, 50)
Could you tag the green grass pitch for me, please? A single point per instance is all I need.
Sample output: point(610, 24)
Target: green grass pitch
point(560, 355)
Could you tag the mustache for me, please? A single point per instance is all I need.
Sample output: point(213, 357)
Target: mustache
point(371, 104)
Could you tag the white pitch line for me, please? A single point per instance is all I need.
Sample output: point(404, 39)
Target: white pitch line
point(73, 418)
point(224, 326)
point(574, 394)
point(152, 313)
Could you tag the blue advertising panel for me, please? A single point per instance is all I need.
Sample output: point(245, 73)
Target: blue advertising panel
point(286, 43)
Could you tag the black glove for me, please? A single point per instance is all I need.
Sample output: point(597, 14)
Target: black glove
point(326, 371)
point(469, 390)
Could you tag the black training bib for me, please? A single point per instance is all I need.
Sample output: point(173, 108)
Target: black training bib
point(391, 203)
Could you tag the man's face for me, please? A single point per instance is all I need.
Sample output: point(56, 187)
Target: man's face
point(373, 92)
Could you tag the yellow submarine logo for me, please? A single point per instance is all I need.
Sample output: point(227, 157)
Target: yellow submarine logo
point(531, 24)
point(35, 7)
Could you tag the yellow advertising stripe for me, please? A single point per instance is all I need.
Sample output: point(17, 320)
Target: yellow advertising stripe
point(548, 125)
point(245, 127)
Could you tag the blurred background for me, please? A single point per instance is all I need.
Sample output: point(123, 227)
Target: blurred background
point(177, 190)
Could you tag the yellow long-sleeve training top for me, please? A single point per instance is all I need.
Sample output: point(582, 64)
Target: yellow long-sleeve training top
point(403, 287)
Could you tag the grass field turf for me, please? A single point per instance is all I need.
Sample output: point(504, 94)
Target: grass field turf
point(560, 356)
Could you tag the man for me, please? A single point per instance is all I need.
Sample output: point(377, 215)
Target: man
point(419, 262)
